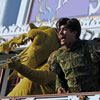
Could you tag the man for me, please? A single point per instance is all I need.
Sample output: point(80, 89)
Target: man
point(76, 62)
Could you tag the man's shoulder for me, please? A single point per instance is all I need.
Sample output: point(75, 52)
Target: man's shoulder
point(54, 54)
point(92, 45)
point(92, 42)
point(88, 42)
point(58, 51)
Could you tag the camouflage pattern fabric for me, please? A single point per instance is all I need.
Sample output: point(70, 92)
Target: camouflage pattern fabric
point(77, 68)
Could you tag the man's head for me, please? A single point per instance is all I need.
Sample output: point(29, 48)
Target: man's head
point(68, 30)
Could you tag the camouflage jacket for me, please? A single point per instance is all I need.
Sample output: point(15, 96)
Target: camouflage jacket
point(77, 68)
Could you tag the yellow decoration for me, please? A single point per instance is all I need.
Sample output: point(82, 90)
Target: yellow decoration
point(44, 41)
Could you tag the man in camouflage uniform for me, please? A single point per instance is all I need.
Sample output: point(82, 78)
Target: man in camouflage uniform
point(76, 62)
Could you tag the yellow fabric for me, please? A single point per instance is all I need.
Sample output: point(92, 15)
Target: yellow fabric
point(44, 42)
point(42, 80)
point(22, 89)
point(26, 87)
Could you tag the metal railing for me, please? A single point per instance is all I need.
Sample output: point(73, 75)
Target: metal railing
point(67, 96)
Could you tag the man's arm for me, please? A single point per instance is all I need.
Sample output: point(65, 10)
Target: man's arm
point(61, 82)
point(60, 88)
point(94, 47)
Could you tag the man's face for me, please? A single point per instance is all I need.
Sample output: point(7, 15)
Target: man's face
point(66, 36)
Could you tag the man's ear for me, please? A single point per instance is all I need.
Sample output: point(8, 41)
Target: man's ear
point(75, 32)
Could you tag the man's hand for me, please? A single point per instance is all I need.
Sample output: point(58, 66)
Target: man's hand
point(61, 90)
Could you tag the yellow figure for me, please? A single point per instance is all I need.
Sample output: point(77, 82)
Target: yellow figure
point(34, 70)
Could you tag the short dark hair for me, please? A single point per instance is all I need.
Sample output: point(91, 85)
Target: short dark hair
point(73, 24)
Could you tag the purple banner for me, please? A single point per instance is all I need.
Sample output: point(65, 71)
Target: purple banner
point(48, 10)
